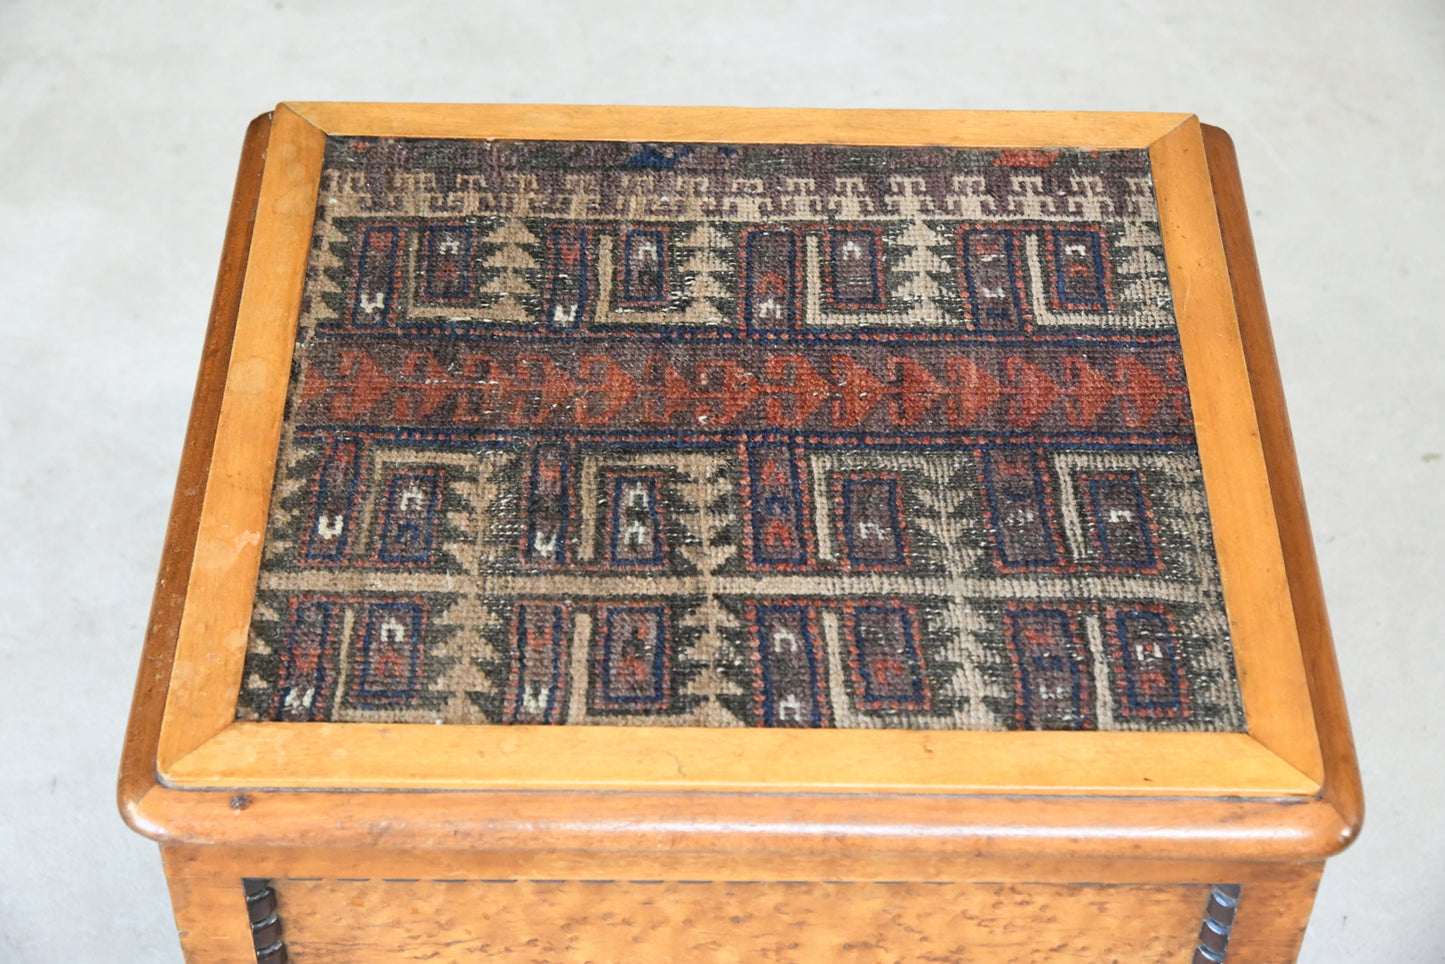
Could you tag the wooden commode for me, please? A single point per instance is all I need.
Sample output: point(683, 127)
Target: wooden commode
point(621, 535)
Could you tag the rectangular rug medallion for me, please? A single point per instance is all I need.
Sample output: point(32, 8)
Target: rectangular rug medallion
point(738, 435)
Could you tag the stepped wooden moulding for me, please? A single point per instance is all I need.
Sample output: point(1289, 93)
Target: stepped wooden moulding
point(1006, 835)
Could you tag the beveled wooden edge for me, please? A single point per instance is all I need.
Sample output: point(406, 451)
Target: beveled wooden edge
point(758, 125)
point(1295, 828)
point(1341, 786)
point(142, 738)
point(211, 640)
point(342, 755)
point(1267, 652)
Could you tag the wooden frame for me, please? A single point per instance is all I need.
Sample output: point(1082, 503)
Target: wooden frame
point(1287, 789)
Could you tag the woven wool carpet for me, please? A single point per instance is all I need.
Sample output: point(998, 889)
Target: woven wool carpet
point(704, 435)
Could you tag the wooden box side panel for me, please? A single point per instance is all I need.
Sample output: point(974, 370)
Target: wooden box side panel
point(375, 905)
point(601, 922)
point(635, 922)
point(211, 919)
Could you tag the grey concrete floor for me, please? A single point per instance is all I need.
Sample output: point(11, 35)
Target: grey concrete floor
point(119, 130)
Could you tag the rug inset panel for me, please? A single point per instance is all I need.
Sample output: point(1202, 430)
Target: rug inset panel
point(708, 435)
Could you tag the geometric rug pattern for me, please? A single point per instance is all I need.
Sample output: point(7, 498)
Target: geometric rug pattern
point(738, 435)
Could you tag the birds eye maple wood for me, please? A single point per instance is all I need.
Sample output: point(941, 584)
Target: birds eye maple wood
point(327, 822)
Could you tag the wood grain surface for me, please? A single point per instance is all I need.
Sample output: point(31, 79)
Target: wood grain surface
point(534, 922)
point(211, 639)
point(731, 125)
point(138, 757)
point(377, 905)
point(1341, 784)
point(207, 862)
point(629, 922)
point(211, 920)
point(1246, 530)
point(342, 755)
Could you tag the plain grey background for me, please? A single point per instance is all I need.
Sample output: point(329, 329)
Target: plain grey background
point(120, 126)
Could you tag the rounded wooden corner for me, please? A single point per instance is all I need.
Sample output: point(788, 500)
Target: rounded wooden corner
point(1350, 814)
point(1343, 792)
point(1218, 138)
point(132, 795)
point(260, 125)
point(1327, 829)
